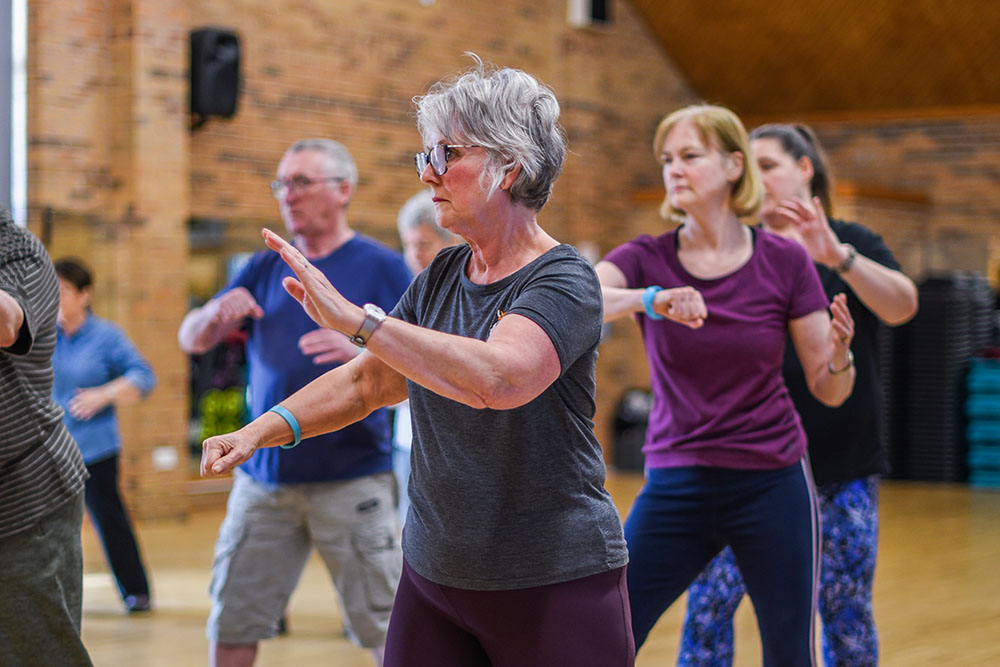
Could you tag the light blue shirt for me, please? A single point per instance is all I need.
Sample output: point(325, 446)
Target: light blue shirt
point(97, 353)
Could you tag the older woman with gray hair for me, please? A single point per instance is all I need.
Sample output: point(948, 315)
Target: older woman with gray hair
point(514, 552)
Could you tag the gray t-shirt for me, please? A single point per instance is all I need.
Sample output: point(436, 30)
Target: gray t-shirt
point(507, 499)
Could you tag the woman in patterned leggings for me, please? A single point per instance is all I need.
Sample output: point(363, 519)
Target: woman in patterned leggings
point(844, 448)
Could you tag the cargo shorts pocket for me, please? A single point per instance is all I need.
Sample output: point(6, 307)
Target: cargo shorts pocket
point(231, 537)
point(380, 563)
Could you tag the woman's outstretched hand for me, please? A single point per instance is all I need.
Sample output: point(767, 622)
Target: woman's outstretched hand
point(818, 238)
point(321, 301)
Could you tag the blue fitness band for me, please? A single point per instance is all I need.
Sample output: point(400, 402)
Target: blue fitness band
point(293, 423)
point(647, 301)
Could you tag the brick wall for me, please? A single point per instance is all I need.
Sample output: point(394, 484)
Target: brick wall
point(111, 158)
point(930, 185)
point(108, 182)
point(348, 70)
point(111, 162)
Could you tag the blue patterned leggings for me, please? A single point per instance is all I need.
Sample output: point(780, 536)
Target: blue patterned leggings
point(850, 541)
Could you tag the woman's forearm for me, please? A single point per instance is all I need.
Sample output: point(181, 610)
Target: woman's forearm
point(887, 293)
point(514, 367)
point(834, 382)
point(828, 366)
point(620, 301)
point(517, 363)
point(122, 391)
point(336, 399)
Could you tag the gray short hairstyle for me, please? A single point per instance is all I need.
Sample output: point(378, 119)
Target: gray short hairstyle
point(420, 210)
point(511, 114)
point(338, 159)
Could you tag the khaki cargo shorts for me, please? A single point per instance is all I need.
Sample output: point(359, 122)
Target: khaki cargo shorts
point(265, 541)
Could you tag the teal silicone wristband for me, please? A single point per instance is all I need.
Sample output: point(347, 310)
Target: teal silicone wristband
point(647, 301)
point(293, 423)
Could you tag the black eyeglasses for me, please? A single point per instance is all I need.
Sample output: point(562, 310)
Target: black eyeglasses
point(437, 157)
point(280, 186)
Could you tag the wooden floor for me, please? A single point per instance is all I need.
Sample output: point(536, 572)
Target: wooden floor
point(937, 592)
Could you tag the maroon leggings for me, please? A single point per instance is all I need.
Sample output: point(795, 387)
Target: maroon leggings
point(584, 622)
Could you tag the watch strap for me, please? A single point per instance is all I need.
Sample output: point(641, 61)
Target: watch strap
point(372, 320)
point(845, 266)
point(850, 363)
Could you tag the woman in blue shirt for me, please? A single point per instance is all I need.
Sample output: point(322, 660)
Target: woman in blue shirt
point(97, 368)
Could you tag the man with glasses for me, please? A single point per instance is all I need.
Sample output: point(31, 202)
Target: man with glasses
point(335, 491)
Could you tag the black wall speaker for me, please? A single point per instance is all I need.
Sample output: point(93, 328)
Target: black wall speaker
point(215, 72)
point(588, 13)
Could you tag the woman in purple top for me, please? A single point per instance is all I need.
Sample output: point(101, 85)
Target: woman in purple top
point(845, 449)
point(725, 451)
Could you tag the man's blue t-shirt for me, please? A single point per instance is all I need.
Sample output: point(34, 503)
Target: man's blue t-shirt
point(364, 271)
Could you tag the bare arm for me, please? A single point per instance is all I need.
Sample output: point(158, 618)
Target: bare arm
point(888, 293)
point(203, 328)
point(91, 400)
point(11, 319)
point(332, 401)
point(823, 346)
point(683, 305)
point(511, 368)
point(619, 301)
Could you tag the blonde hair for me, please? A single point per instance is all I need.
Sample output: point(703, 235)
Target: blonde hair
point(719, 128)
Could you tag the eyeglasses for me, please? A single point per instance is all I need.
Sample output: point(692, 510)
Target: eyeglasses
point(280, 186)
point(437, 157)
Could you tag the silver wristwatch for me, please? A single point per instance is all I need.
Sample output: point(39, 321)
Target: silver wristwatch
point(374, 316)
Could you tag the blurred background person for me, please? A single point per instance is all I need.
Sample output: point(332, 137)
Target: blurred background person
point(422, 239)
point(725, 452)
point(97, 370)
point(335, 492)
point(41, 471)
point(845, 451)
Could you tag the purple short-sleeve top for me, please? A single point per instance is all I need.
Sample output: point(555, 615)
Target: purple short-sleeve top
point(719, 397)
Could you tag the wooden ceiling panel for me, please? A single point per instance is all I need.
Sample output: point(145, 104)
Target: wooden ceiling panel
point(790, 56)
